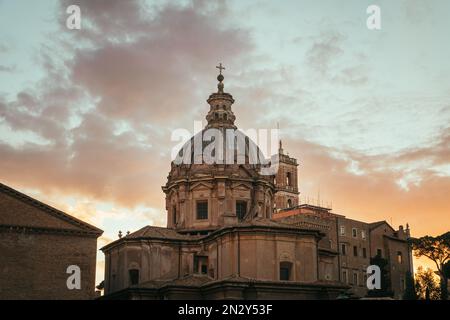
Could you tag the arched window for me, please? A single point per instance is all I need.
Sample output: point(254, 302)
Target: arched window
point(225, 116)
point(289, 203)
point(288, 179)
point(399, 257)
point(216, 116)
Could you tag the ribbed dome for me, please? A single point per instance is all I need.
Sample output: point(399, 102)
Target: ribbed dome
point(236, 148)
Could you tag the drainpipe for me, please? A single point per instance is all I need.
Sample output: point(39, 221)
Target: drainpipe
point(338, 249)
point(239, 254)
point(179, 260)
point(217, 259)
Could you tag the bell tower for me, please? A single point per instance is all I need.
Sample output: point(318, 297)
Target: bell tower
point(286, 181)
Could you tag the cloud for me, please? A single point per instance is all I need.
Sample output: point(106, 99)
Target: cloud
point(326, 48)
point(157, 75)
point(7, 68)
point(104, 113)
point(100, 121)
point(374, 193)
point(3, 48)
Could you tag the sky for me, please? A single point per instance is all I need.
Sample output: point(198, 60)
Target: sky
point(86, 115)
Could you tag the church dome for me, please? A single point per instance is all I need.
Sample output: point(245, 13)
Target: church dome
point(220, 145)
point(220, 142)
point(216, 179)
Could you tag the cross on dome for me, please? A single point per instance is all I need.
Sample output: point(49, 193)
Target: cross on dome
point(220, 67)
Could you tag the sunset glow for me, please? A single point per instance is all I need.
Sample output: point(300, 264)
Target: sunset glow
point(86, 115)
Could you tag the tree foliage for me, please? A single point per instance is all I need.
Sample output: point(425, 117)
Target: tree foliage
point(385, 290)
point(410, 290)
point(437, 249)
point(427, 284)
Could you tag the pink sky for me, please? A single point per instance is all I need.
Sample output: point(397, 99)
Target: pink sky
point(86, 116)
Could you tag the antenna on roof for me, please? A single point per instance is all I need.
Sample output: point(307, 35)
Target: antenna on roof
point(318, 196)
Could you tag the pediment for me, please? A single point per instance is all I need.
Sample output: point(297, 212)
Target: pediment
point(241, 186)
point(202, 186)
point(245, 173)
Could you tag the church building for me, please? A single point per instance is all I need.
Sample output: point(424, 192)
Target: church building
point(221, 241)
point(236, 233)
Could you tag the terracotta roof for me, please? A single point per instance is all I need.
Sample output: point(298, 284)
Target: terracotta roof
point(375, 225)
point(273, 224)
point(84, 226)
point(162, 233)
point(159, 233)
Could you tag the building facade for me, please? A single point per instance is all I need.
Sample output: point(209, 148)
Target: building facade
point(353, 245)
point(236, 233)
point(37, 245)
point(220, 241)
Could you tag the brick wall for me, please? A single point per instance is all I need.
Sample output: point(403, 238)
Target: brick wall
point(33, 265)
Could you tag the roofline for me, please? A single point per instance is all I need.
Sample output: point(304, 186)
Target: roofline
point(45, 230)
point(230, 281)
point(374, 225)
point(216, 233)
point(49, 209)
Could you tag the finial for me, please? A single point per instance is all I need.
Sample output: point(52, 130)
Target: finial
point(120, 234)
point(220, 77)
point(280, 143)
point(220, 67)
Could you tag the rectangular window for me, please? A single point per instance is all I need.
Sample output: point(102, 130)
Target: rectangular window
point(285, 271)
point(363, 234)
point(174, 215)
point(344, 276)
point(379, 253)
point(364, 253)
point(355, 233)
point(343, 249)
point(134, 276)
point(355, 278)
point(202, 210)
point(355, 251)
point(342, 230)
point(399, 257)
point(241, 209)
point(201, 264)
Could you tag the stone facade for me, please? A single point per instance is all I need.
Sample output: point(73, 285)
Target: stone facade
point(235, 233)
point(286, 181)
point(220, 241)
point(250, 253)
point(351, 244)
point(37, 244)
